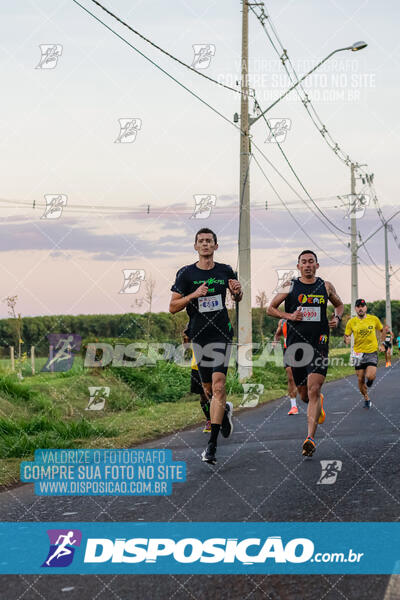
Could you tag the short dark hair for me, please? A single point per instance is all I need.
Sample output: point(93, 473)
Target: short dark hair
point(206, 230)
point(307, 252)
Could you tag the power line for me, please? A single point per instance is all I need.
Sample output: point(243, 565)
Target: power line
point(294, 78)
point(394, 235)
point(162, 50)
point(145, 209)
point(156, 65)
point(214, 110)
point(369, 266)
point(292, 215)
point(364, 246)
point(302, 185)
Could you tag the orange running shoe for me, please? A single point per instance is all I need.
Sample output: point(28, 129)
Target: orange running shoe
point(308, 446)
point(293, 411)
point(322, 414)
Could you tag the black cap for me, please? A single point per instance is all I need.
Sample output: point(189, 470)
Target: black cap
point(360, 302)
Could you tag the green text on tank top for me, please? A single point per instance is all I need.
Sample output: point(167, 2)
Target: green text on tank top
point(312, 299)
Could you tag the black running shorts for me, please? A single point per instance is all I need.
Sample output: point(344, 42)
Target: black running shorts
point(212, 357)
point(304, 363)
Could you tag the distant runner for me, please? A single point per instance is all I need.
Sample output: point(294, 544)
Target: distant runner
point(308, 336)
point(398, 342)
point(365, 352)
point(387, 344)
point(292, 389)
point(201, 288)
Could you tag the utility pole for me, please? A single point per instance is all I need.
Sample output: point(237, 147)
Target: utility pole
point(387, 280)
point(245, 321)
point(353, 243)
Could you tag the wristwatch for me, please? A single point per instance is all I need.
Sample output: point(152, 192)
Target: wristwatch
point(337, 316)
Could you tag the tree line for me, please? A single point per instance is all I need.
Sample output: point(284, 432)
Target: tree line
point(161, 327)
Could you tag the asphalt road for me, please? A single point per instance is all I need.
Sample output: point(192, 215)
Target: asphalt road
point(260, 476)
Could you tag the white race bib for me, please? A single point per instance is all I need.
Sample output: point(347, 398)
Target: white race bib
point(357, 355)
point(311, 313)
point(210, 303)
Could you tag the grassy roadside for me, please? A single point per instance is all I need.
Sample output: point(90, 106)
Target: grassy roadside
point(49, 410)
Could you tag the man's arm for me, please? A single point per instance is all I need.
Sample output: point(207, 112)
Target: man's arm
point(278, 332)
point(235, 289)
point(382, 330)
point(179, 301)
point(273, 311)
point(334, 298)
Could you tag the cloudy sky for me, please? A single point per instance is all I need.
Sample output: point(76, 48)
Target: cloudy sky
point(130, 205)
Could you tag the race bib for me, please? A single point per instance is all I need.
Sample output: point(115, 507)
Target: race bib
point(311, 314)
point(210, 303)
point(357, 355)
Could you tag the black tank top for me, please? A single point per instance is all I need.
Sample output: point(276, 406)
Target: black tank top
point(313, 299)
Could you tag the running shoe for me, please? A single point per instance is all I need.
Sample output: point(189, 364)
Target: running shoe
point(208, 455)
point(322, 414)
point(308, 446)
point(293, 411)
point(387, 364)
point(367, 403)
point(227, 425)
point(207, 427)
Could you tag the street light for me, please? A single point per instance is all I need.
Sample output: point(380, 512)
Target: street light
point(244, 310)
point(354, 48)
point(358, 46)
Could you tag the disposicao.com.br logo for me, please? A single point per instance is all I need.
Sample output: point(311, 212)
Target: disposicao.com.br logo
point(188, 550)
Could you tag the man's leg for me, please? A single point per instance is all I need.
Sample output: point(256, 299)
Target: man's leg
point(220, 412)
point(205, 399)
point(292, 392)
point(370, 374)
point(314, 385)
point(303, 393)
point(218, 399)
point(217, 412)
point(361, 383)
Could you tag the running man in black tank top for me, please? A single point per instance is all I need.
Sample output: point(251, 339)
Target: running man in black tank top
point(308, 336)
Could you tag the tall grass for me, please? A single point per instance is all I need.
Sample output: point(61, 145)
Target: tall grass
point(21, 437)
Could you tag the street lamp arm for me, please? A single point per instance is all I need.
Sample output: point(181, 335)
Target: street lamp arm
point(254, 120)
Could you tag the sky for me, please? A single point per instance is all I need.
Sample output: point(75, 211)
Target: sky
point(128, 204)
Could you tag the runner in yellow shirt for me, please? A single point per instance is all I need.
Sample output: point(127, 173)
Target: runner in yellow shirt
point(365, 329)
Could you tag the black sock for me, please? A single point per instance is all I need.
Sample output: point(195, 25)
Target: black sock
point(205, 407)
point(215, 427)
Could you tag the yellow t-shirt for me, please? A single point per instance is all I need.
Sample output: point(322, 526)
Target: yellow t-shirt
point(364, 332)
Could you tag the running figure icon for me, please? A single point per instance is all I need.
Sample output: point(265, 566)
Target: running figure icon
point(62, 549)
